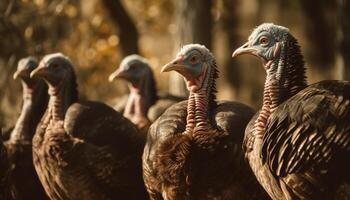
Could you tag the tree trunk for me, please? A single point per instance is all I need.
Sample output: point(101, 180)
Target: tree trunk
point(194, 22)
point(344, 43)
point(320, 32)
point(128, 33)
point(230, 28)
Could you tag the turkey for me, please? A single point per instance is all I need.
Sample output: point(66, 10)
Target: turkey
point(143, 104)
point(84, 150)
point(24, 182)
point(5, 192)
point(193, 149)
point(298, 145)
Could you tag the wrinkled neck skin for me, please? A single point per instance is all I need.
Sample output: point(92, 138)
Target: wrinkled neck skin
point(22, 124)
point(137, 105)
point(34, 104)
point(285, 78)
point(198, 108)
point(272, 97)
point(55, 104)
point(62, 96)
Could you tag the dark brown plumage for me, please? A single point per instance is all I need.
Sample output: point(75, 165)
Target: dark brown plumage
point(6, 133)
point(24, 181)
point(84, 150)
point(164, 102)
point(143, 105)
point(298, 145)
point(193, 149)
point(5, 192)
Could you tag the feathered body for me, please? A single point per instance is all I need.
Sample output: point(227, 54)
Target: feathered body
point(193, 149)
point(5, 192)
point(298, 145)
point(84, 150)
point(164, 102)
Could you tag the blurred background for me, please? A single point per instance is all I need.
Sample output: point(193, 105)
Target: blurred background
point(97, 34)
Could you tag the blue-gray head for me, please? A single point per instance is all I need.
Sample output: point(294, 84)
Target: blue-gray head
point(280, 54)
point(25, 67)
point(264, 42)
point(137, 71)
point(194, 62)
point(54, 68)
point(134, 69)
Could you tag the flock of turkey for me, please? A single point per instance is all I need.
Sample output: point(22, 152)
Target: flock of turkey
point(297, 146)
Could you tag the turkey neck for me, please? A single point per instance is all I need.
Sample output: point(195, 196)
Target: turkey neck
point(35, 100)
point(201, 103)
point(138, 104)
point(285, 78)
point(141, 98)
point(61, 97)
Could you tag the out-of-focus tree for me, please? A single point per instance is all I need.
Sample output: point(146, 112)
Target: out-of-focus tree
point(194, 22)
point(344, 43)
point(229, 20)
point(25, 29)
point(128, 33)
point(320, 29)
point(236, 19)
point(46, 26)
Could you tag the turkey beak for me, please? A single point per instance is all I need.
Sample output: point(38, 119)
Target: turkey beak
point(175, 65)
point(244, 49)
point(18, 73)
point(118, 74)
point(41, 71)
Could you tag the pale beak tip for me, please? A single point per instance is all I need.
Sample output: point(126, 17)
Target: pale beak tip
point(111, 78)
point(117, 75)
point(164, 69)
point(15, 75)
point(234, 54)
point(242, 50)
point(32, 74)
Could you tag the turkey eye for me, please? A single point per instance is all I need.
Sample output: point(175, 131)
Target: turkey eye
point(193, 59)
point(132, 68)
point(263, 40)
point(54, 65)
